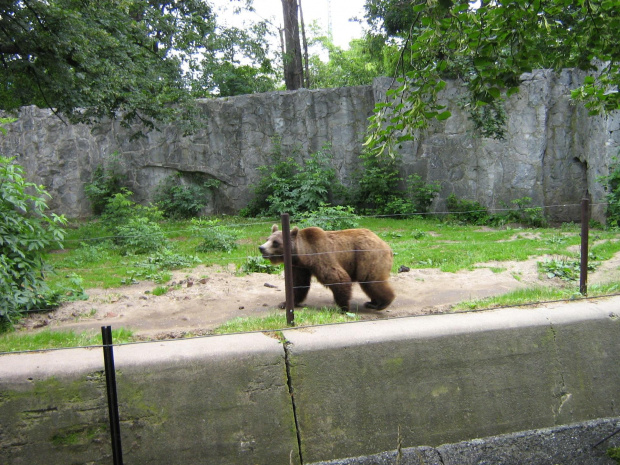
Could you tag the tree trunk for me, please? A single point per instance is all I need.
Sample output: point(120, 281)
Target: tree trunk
point(305, 44)
point(293, 68)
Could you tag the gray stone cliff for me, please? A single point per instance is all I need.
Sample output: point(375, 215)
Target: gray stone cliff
point(553, 151)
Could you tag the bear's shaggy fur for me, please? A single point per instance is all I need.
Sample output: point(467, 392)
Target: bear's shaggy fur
point(337, 259)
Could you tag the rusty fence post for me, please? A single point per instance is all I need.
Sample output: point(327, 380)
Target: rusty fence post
point(585, 220)
point(288, 270)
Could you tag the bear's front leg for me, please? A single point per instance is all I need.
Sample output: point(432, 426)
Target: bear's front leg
point(342, 294)
point(301, 285)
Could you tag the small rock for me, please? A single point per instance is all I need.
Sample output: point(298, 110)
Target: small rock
point(403, 269)
point(111, 315)
point(241, 307)
point(190, 283)
point(203, 281)
point(270, 285)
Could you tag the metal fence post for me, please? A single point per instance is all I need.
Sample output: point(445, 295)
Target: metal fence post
point(110, 379)
point(585, 220)
point(288, 270)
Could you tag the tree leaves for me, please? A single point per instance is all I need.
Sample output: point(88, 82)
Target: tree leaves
point(25, 231)
point(488, 49)
point(92, 59)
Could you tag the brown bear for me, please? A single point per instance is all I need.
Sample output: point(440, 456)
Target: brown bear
point(337, 259)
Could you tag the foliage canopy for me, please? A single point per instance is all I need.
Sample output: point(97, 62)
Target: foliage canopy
point(90, 59)
point(489, 48)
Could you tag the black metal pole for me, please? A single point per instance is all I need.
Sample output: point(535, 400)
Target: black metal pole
point(110, 378)
point(583, 271)
point(288, 270)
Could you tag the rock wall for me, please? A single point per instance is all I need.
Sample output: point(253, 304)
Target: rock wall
point(553, 150)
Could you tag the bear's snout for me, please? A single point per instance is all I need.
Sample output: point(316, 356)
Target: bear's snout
point(262, 249)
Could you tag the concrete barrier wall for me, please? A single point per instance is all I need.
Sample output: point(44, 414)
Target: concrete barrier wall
point(358, 389)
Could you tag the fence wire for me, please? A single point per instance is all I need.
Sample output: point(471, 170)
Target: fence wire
point(227, 259)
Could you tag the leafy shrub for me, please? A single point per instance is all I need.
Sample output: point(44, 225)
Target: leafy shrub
point(86, 254)
point(154, 266)
point(466, 211)
point(178, 200)
point(379, 188)
point(140, 236)
point(378, 184)
point(120, 209)
point(564, 268)
point(274, 178)
point(611, 183)
point(107, 180)
point(526, 215)
point(166, 259)
point(214, 237)
point(25, 232)
point(330, 218)
point(259, 265)
point(421, 194)
point(288, 187)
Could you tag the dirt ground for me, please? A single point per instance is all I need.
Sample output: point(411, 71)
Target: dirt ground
point(207, 297)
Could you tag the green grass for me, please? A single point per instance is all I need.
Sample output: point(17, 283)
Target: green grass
point(276, 321)
point(48, 339)
point(537, 294)
point(418, 242)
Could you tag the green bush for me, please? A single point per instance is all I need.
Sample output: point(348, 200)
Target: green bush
point(525, 214)
point(466, 211)
point(288, 187)
point(330, 218)
point(140, 236)
point(25, 232)
point(274, 179)
point(611, 183)
point(177, 199)
point(421, 194)
point(108, 179)
point(379, 188)
point(214, 237)
point(120, 209)
point(259, 265)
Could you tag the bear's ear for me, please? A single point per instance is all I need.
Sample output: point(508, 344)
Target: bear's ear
point(274, 228)
point(294, 231)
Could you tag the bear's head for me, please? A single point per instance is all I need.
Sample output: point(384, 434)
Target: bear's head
point(273, 249)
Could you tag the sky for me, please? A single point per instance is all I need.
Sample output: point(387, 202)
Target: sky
point(343, 30)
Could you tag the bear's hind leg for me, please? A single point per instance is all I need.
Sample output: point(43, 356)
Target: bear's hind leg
point(380, 293)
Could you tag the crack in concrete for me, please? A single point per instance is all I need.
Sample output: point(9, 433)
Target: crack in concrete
point(289, 382)
point(561, 392)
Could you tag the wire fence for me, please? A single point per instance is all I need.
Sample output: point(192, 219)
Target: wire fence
point(252, 249)
point(107, 343)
